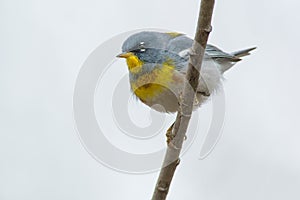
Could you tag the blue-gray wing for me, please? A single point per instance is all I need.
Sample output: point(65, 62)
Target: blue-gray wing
point(218, 54)
point(181, 45)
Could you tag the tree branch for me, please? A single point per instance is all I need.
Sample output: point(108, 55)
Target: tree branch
point(179, 129)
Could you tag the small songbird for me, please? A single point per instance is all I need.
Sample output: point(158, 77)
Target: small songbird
point(158, 62)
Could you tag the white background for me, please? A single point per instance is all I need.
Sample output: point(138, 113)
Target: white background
point(42, 47)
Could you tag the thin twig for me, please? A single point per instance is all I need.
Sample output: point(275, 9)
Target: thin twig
point(171, 159)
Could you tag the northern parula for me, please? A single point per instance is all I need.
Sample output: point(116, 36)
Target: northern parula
point(157, 64)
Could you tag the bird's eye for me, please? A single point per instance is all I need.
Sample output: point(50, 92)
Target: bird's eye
point(142, 47)
point(142, 44)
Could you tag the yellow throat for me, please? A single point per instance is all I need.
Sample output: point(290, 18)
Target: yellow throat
point(134, 63)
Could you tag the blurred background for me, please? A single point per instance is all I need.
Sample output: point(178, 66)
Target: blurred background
point(44, 44)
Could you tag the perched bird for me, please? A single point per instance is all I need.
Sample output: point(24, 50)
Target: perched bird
point(157, 64)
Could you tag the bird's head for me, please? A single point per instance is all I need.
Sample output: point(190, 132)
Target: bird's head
point(143, 48)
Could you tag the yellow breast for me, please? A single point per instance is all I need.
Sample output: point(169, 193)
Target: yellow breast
point(150, 85)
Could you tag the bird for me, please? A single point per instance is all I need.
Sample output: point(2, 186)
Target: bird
point(158, 61)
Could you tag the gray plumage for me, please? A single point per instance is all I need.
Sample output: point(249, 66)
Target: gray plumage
point(156, 48)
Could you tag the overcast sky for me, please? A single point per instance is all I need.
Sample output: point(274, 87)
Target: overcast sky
point(43, 45)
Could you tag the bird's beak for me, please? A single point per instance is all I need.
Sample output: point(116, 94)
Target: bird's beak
point(125, 55)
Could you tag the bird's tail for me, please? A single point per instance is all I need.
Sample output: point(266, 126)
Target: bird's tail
point(236, 56)
point(242, 53)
